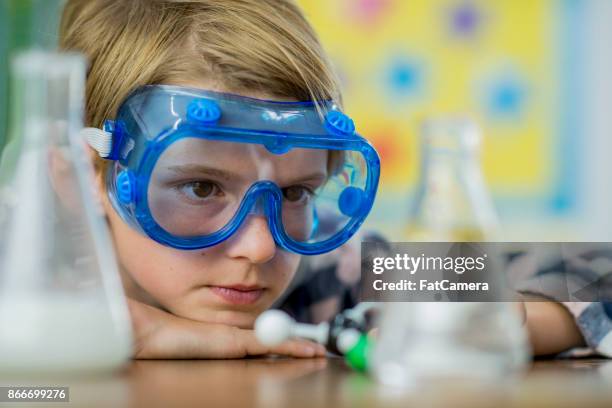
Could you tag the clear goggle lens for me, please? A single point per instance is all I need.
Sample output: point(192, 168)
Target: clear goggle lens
point(198, 185)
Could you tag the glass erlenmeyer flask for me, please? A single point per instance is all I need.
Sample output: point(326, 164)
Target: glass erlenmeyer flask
point(452, 203)
point(61, 301)
point(420, 342)
point(462, 340)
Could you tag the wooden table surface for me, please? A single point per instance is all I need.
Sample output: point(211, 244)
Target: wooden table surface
point(328, 382)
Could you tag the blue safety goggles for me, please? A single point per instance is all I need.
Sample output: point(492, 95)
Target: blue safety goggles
point(189, 166)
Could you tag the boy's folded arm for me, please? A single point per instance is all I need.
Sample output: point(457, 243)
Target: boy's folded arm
point(161, 335)
point(555, 324)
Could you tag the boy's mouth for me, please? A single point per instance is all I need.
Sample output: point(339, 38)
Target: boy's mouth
point(238, 294)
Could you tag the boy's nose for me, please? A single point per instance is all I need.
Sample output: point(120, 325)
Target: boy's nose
point(253, 241)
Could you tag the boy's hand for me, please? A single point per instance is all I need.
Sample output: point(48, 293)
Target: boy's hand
point(551, 328)
point(161, 335)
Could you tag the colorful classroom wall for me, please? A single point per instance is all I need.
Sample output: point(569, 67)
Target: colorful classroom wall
point(512, 66)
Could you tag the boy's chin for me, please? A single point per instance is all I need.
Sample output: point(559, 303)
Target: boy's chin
point(241, 319)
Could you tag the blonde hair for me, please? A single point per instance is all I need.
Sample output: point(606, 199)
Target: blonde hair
point(258, 45)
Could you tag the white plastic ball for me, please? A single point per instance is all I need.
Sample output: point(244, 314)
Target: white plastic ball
point(273, 327)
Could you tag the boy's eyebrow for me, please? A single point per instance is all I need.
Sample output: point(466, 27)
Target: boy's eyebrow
point(316, 176)
point(190, 169)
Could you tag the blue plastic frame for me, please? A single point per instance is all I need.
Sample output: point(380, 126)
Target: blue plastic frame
point(140, 162)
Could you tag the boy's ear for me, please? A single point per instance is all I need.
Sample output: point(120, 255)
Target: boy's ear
point(62, 178)
point(98, 188)
point(64, 182)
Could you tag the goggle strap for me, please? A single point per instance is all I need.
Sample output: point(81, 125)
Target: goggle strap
point(99, 140)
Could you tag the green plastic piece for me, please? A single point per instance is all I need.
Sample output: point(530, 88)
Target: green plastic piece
point(357, 357)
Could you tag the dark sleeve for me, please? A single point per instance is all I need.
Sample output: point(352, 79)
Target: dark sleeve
point(322, 286)
point(329, 283)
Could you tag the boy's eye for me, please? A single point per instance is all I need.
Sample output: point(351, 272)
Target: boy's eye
point(296, 193)
point(200, 189)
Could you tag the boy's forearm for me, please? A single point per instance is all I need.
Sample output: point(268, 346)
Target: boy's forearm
point(161, 335)
point(551, 327)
